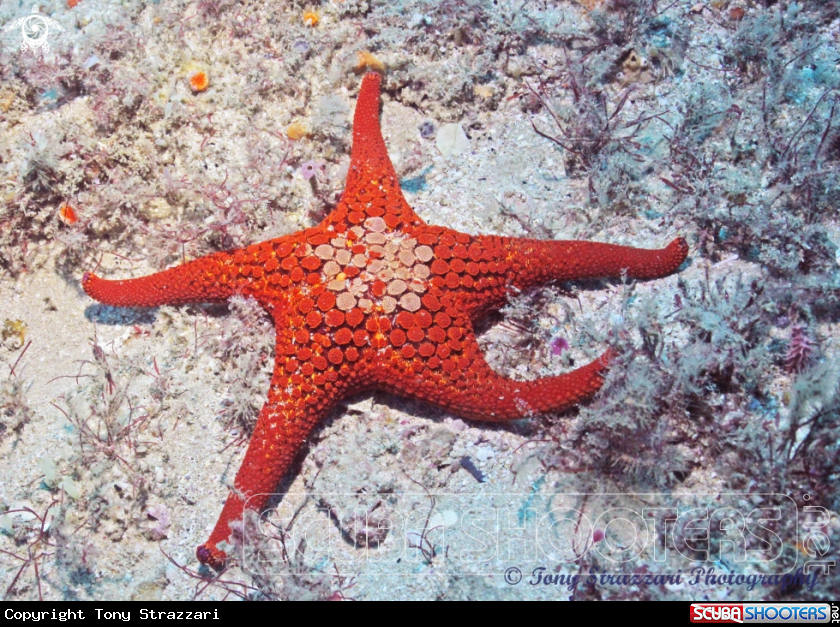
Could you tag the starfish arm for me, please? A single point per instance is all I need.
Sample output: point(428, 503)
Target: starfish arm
point(281, 430)
point(204, 280)
point(305, 386)
point(468, 387)
point(372, 188)
point(538, 261)
point(369, 151)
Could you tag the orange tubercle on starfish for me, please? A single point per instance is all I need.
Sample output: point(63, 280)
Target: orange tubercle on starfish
point(311, 18)
point(374, 298)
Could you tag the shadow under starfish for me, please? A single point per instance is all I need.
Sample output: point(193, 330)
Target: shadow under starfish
point(374, 298)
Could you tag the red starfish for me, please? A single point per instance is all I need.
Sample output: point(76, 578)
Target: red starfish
point(373, 297)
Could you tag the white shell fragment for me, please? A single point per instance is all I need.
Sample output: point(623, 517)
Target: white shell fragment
point(452, 140)
point(91, 61)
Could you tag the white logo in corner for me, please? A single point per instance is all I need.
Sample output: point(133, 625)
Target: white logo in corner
point(34, 30)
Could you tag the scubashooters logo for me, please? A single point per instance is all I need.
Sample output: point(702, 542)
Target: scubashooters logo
point(761, 613)
point(717, 613)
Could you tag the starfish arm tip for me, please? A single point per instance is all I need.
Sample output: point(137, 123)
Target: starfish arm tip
point(211, 556)
point(94, 286)
point(679, 248)
point(201, 280)
point(608, 357)
point(539, 261)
